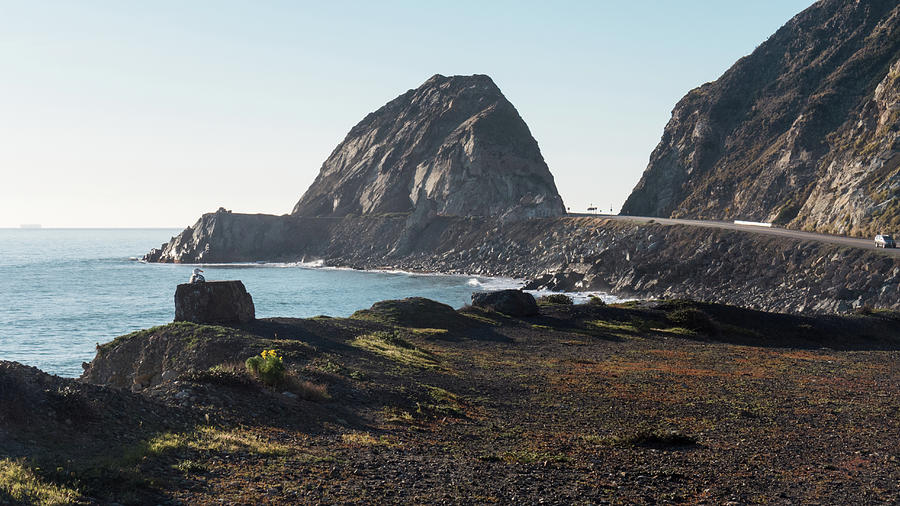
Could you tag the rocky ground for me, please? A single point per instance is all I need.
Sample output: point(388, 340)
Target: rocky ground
point(413, 402)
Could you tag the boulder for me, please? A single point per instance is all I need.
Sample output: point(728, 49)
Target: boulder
point(509, 302)
point(213, 302)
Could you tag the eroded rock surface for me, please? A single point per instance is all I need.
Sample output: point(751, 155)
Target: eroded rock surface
point(803, 132)
point(454, 144)
point(213, 302)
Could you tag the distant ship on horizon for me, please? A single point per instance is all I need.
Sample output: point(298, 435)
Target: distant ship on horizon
point(30, 225)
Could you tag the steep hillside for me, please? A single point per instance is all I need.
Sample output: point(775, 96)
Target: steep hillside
point(453, 146)
point(804, 132)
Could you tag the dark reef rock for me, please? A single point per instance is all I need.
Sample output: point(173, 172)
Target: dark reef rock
point(803, 132)
point(455, 145)
point(213, 302)
point(508, 302)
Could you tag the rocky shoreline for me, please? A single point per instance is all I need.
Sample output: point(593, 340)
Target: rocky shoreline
point(640, 260)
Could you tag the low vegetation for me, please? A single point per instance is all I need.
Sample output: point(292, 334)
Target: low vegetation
point(19, 484)
point(555, 298)
point(394, 347)
point(268, 366)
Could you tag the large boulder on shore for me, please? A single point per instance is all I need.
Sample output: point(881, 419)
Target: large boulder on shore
point(508, 302)
point(213, 302)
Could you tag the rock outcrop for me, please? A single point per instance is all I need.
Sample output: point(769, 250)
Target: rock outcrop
point(213, 302)
point(508, 302)
point(455, 145)
point(804, 132)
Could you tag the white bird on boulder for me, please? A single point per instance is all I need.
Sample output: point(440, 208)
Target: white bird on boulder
point(197, 277)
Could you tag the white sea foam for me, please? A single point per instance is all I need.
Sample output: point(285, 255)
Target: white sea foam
point(479, 283)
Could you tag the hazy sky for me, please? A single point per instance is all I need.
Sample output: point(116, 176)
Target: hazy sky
point(125, 113)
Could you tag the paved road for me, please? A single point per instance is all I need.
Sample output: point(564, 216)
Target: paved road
point(852, 242)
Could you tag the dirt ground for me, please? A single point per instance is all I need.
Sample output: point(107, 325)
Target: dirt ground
point(411, 402)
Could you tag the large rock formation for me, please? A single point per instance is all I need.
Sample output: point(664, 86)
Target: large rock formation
point(804, 132)
point(213, 302)
point(455, 146)
point(454, 141)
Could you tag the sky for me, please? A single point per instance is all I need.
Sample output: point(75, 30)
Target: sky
point(148, 114)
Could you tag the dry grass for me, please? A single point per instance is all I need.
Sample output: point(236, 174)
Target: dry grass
point(366, 439)
point(305, 389)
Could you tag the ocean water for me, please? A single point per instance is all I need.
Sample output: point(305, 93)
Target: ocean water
point(62, 291)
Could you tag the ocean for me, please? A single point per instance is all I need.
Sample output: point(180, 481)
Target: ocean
point(63, 291)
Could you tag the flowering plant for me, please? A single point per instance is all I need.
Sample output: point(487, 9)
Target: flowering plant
point(267, 366)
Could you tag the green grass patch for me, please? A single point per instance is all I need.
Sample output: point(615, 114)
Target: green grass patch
point(189, 467)
point(615, 327)
point(397, 415)
point(20, 484)
point(427, 332)
point(480, 317)
point(390, 345)
point(204, 439)
point(413, 312)
point(193, 334)
point(443, 403)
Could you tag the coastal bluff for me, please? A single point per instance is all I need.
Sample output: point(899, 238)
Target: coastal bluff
point(627, 259)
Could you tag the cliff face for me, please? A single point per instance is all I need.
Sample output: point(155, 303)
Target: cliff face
point(804, 132)
point(455, 145)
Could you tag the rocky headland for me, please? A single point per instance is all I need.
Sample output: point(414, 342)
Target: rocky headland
point(646, 260)
point(454, 146)
point(804, 132)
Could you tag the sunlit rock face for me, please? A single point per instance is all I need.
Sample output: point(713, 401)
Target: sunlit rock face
point(803, 132)
point(455, 145)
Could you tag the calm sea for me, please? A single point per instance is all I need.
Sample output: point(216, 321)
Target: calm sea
point(62, 291)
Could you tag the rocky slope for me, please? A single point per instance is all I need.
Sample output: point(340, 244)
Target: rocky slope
point(454, 145)
point(626, 259)
point(805, 131)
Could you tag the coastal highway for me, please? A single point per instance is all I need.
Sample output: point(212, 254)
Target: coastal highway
point(852, 242)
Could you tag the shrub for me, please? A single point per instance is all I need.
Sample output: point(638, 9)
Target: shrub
point(556, 298)
point(657, 439)
point(692, 319)
point(267, 366)
point(595, 301)
point(864, 310)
